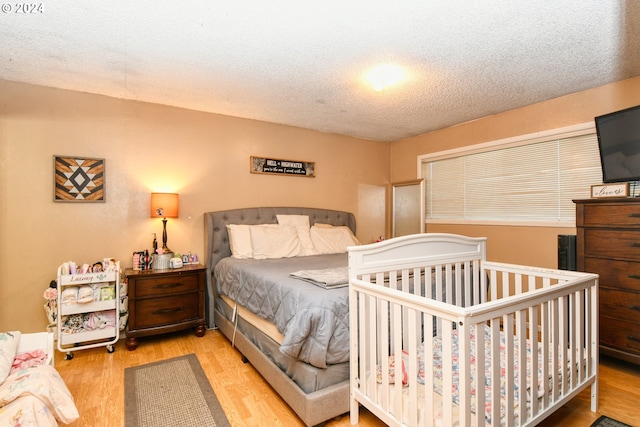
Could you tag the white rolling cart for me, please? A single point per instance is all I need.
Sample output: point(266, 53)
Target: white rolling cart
point(88, 315)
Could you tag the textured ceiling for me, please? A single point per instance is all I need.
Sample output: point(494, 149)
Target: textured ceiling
point(302, 63)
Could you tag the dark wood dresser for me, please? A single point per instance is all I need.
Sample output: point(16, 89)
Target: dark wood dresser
point(162, 301)
point(608, 243)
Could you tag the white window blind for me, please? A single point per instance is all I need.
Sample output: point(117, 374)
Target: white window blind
point(532, 182)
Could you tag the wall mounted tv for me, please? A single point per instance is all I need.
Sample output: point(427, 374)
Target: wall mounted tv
point(619, 143)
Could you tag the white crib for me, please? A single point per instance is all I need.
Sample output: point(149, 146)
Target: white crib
point(434, 302)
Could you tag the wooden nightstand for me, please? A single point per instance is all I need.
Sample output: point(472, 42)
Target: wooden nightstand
point(162, 301)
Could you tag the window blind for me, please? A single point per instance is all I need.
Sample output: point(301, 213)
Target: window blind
point(532, 182)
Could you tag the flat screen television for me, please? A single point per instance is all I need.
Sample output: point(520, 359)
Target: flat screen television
point(619, 144)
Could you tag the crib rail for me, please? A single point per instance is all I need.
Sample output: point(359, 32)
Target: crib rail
point(450, 343)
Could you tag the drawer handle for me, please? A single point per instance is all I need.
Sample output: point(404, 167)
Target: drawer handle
point(634, 276)
point(634, 307)
point(168, 310)
point(168, 286)
point(632, 338)
point(634, 215)
point(634, 245)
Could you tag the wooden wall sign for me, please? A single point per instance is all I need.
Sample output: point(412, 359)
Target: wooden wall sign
point(78, 179)
point(281, 167)
point(610, 190)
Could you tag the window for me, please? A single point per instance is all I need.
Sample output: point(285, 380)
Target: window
point(531, 179)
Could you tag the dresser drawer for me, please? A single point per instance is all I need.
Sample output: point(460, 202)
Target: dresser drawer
point(615, 244)
point(620, 305)
point(620, 334)
point(160, 286)
point(623, 215)
point(164, 311)
point(623, 275)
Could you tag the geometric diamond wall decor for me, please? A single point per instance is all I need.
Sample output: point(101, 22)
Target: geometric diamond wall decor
point(78, 179)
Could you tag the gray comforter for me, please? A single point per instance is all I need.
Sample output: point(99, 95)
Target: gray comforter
point(314, 321)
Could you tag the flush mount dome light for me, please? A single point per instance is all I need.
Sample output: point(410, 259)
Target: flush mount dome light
point(384, 76)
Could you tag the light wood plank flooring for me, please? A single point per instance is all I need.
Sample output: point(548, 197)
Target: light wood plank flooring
point(96, 380)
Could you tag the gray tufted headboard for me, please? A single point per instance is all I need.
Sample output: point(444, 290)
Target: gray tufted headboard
point(217, 238)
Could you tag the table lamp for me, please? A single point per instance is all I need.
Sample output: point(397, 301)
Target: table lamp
point(164, 205)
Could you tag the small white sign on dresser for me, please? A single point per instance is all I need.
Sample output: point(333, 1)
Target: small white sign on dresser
point(610, 190)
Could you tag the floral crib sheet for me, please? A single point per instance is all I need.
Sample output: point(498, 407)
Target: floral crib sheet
point(438, 372)
point(517, 370)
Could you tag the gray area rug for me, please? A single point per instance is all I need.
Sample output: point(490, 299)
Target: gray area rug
point(605, 421)
point(172, 393)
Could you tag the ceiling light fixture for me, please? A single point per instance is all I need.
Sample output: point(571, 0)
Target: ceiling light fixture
point(384, 76)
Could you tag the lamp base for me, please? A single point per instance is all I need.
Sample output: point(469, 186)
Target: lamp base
point(164, 236)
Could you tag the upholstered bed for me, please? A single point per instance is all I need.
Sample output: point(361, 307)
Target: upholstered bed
point(260, 311)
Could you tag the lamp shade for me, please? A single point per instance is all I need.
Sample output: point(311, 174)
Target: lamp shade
point(164, 205)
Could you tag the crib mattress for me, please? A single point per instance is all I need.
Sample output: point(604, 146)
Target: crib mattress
point(438, 364)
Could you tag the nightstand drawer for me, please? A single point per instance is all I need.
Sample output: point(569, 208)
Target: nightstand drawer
point(164, 311)
point(620, 304)
point(613, 244)
point(619, 334)
point(162, 286)
point(623, 215)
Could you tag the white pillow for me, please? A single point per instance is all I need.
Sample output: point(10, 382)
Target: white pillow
point(301, 223)
point(321, 225)
point(331, 240)
point(280, 242)
point(8, 345)
point(240, 239)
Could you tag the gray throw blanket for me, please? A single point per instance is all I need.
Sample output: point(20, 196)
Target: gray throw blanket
point(327, 278)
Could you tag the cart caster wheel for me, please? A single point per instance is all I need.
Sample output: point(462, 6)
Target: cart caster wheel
point(110, 349)
point(69, 355)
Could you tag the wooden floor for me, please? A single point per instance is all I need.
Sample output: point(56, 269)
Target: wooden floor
point(96, 380)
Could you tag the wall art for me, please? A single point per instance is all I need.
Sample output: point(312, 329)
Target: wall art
point(78, 179)
point(281, 167)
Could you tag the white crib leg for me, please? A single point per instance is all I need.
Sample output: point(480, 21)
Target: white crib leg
point(594, 396)
point(353, 411)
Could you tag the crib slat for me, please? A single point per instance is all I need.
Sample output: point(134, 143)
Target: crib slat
point(447, 373)
point(521, 337)
point(397, 354)
point(495, 369)
point(371, 346)
point(464, 372)
point(545, 349)
point(556, 348)
point(564, 340)
point(382, 356)
point(457, 281)
point(481, 390)
point(448, 279)
point(572, 330)
point(536, 364)
point(412, 368)
point(508, 326)
point(429, 369)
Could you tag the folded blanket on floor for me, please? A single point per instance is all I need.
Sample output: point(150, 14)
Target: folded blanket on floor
point(328, 278)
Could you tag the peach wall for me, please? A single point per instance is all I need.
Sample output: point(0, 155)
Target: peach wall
point(204, 157)
point(522, 245)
